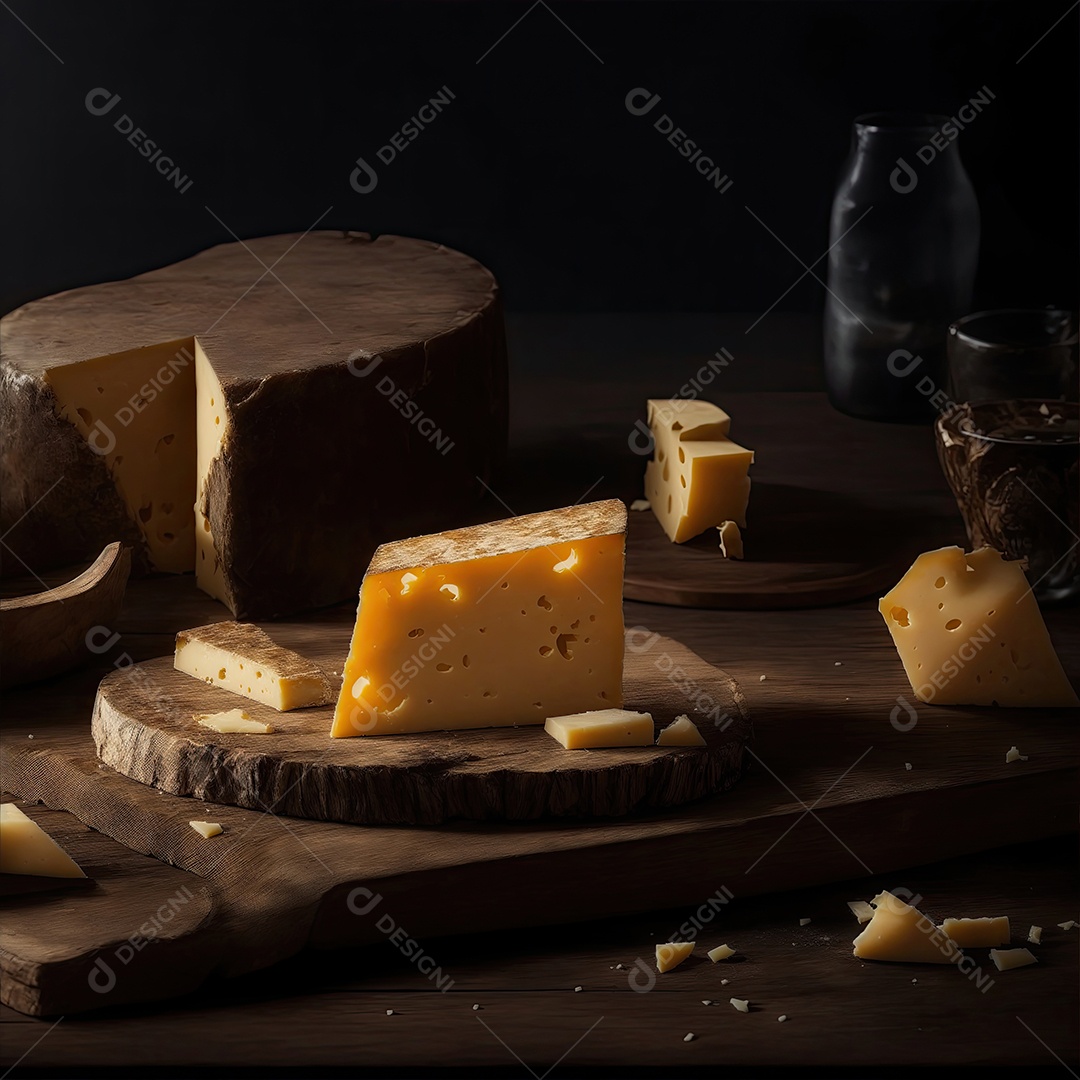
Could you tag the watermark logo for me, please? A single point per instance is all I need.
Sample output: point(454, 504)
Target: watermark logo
point(904, 177)
point(901, 363)
point(100, 640)
point(101, 102)
point(364, 178)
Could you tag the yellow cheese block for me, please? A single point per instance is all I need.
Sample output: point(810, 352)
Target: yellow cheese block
point(978, 933)
point(241, 658)
point(232, 722)
point(26, 848)
point(489, 626)
point(603, 727)
point(682, 731)
point(671, 954)
point(969, 632)
point(697, 478)
point(902, 933)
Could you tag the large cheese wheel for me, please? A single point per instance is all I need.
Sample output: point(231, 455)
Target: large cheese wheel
point(266, 424)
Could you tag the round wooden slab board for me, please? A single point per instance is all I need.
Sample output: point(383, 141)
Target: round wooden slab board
point(804, 548)
point(144, 727)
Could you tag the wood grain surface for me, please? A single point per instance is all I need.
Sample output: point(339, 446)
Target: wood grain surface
point(144, 727)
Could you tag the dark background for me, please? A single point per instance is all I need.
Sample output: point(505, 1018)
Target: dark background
point(536, 168)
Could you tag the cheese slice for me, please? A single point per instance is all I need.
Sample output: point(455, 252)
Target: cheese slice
point(26, 848)
point(1007, 959)
point(969, 632)
point(902, 933)
point(682, 731)
point(721, 952)
point(731, 545)
point(697, 478)
point(978, 933)
point(489, 626)
point(241, 658)
point(233, 721)
point(206, 829)
point(604, 727)
point(671, 954)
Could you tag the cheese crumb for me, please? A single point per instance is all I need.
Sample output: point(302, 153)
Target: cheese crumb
point(838, 663)
point(861, 910)
point(641, 504)
point(577, 989)
point(476, 1008)
point(29, 736)
point(761, 679)
point(721, 952)
point(1044, 409)
point(1068, 925)
point(914, 980)
point(804, 922)
point(689, 1037)
point(1035, 935)
point(618, 967)
point(1006, 959)
point(781, 1018)
point(389, 1012)
point(724, 982)
point(706, 1001)
point(907, 765)
point(206, 829)
point(1014, 755)
point(742, 1004)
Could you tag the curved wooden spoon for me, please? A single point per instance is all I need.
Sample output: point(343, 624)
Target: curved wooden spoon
point(45, 633)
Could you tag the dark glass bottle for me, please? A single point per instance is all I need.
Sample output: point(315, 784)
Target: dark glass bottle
point(904, 236)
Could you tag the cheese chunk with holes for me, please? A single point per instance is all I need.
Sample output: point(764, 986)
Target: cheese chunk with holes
point(490, 626)
point(697, 478)
point(1007, 959)
point(241, 658)
point(26, 848)
point(969, 632)
point(731, 545)
point(978, 933)
point(671, 954)
point(604, 727)
point(900, 932)
point(682, 731)
point(233, 721)
point(206, 829)
point(721, 952)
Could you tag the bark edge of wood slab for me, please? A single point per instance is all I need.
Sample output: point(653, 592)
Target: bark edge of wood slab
point(44, 633)
point(143, 727)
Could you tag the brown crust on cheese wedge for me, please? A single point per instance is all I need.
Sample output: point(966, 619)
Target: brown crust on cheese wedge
point(523, 533)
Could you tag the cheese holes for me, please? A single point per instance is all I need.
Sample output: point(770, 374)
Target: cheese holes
point(668, 502)
point(940, 583)
point(221, 674)
point(667, 471)
point(682, 455)
point(563, 643)
point(899, 615)
point(682, 480)
point(465, 661)
point(505, 585)
point(444, 667)
point(146, 512)
point(451, 590)
point(418, 632)
point(489, 693)
point(953, 624)
point(546, 650)
point(206, 527)
point(87, 419)
point(166, 508)
point(544, 602)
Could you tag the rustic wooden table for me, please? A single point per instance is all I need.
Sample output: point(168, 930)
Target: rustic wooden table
point(555, 1000)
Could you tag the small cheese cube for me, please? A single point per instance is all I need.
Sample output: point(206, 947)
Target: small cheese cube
point(241, 658)
point(1007, 959)
point(900, 932)
point(721, 952)
point(672, 954)
point(698, 476)
point(26, 848)
point(978, 933)
point(604, 727)
point(206, 829)
point(682, 731)
point(233, 721)
point(969, 632)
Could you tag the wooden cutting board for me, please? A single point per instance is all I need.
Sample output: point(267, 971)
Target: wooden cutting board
point(827, 798)
point(144, 727)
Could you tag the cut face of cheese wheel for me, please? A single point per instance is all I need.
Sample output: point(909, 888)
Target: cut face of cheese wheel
point(490, 626)
point(697, 478)
point(969, 632)
point(671, 954)
point(604, 727)
point(978, 933)
point(900, 932)
point(241, 658)
point(26, 848)
point(682, 731)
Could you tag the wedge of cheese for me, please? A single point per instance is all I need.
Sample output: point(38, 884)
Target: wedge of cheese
point(978, 933)
point(264, 428)
point(671, 954)
point(682, 731)
point(697, 478)
point(969, 632)
point(241, 658)
point(604, 727)
point(490, 626)
point(26, 848)
point(900, 932)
